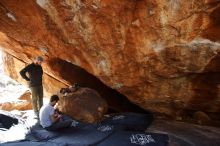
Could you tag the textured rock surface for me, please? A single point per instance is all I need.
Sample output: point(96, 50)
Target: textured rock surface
point(26, 96)
point(163, 55)
point(22, 103)
point(18, 105)
point(84, 104)
point(184, 134)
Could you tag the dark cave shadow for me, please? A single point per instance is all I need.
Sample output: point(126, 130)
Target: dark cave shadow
point(75, 74)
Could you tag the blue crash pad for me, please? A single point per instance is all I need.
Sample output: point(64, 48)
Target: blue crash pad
point(130, 138)
point(129, 121)
point(125, 129)
point(88, 135)
point(30, 143)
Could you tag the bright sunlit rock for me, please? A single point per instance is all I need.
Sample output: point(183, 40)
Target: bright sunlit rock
point(10, 90)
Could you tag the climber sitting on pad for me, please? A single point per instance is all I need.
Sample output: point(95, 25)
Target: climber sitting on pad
point(50, 119)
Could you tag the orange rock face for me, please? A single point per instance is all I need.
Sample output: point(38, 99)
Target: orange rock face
point(23, 103)
point(84, 104)
point(26, 96)
point(162, 55)
point(21, 106)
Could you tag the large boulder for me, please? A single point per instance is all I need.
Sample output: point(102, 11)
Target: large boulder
point(85, 105)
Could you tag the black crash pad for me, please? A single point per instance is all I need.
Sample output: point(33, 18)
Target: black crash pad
point(130, 138)
point(129, 121)
point(125, 129)
point(30, 143)
point(88, 135)
point(7, 120)
point(39, 133)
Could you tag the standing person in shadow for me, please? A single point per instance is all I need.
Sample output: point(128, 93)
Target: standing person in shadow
point(50, 119)
point(35, 73)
